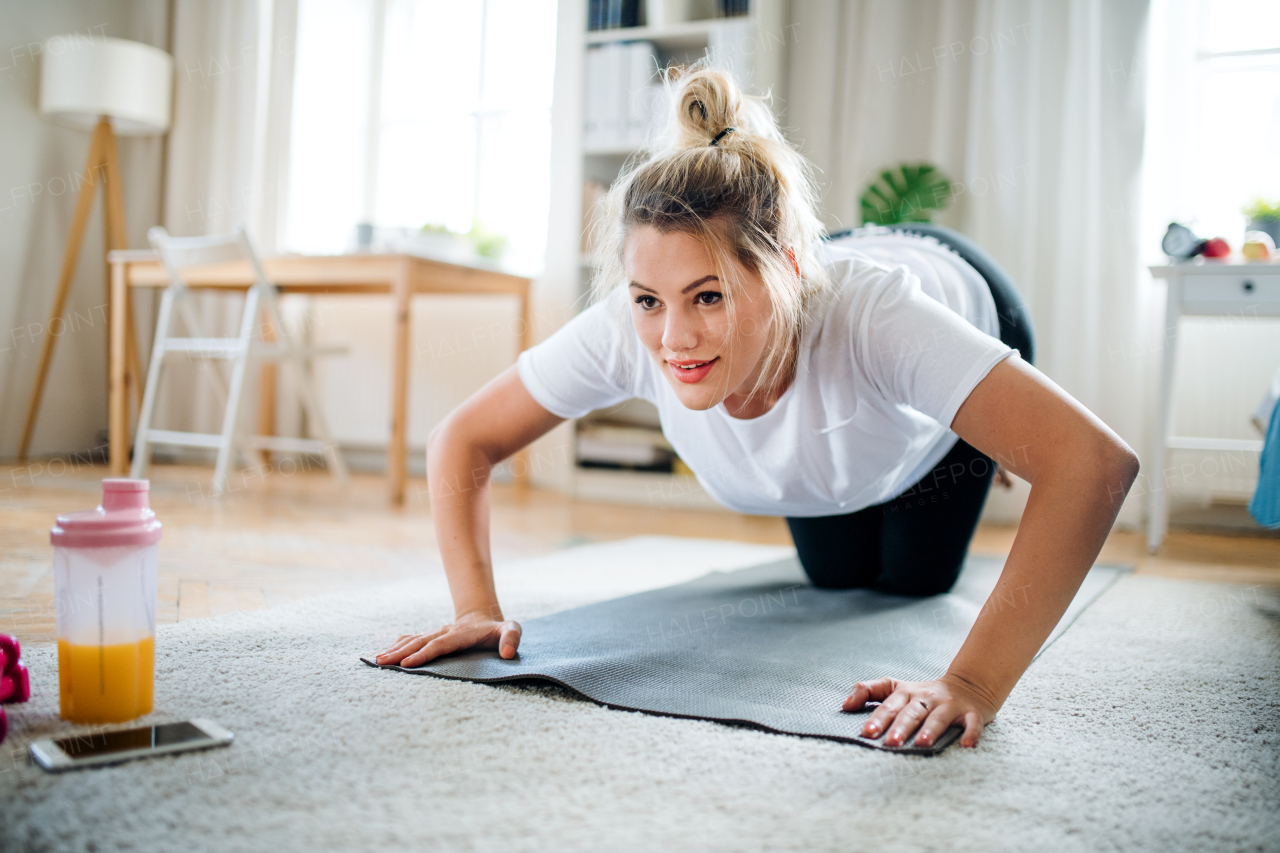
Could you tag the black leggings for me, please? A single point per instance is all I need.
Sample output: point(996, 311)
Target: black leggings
point(915, 544)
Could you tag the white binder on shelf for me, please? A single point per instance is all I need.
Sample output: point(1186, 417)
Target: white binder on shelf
point(642, 69)
point(593, 98)
point(620, 92)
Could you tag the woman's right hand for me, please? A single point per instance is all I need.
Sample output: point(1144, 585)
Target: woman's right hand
point(412, 650)
point(493, 424)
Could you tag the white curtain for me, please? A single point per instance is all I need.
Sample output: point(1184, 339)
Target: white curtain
point(227, 156)
point(1035, 110)
point(228, 149)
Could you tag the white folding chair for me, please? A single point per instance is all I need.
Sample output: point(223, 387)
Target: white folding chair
point(248, 348)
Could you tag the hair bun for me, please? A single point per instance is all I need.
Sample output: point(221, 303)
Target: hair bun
point(709, 103)
point(710, 108)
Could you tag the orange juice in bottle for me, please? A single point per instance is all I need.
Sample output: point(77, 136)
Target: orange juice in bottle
point(106, 684)
point(105, 592)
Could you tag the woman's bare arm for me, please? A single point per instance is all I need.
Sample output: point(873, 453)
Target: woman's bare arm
point(1080, 472)
point(493, 424)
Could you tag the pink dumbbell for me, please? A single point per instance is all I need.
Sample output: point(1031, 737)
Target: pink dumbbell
point(10, 651)
point(15, 682)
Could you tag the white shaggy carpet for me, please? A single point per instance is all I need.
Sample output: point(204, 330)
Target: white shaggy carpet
point(1152, 724)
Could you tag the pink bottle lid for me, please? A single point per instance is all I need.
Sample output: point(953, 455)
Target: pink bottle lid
point(124, 518)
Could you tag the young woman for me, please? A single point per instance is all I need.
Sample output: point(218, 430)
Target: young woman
point(825, 381)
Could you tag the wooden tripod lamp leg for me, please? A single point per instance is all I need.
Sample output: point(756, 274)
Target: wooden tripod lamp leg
point(78, 223)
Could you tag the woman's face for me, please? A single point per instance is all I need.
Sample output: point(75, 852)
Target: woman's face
point(679, 311)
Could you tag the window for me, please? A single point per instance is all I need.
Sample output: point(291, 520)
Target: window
point(1234, 131)
point(422, 112)
point(1212, 133)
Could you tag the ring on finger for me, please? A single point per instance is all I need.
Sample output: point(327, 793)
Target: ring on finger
point(909, 718)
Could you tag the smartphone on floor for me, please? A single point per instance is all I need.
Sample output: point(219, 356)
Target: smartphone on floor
point(91, 750)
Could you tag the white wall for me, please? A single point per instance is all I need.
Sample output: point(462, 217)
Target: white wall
point(37, 160)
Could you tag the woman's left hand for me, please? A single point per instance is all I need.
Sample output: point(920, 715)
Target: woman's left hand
point(931, 706)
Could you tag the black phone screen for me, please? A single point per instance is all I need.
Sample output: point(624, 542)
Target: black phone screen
point(125, 740)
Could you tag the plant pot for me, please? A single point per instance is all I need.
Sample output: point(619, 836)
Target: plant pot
point(1270, 226)
point(439, 245)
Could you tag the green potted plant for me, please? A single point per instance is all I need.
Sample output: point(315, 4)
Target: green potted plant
point(486, 243)
point(479, 242)
point(1264, 216)
point(437, 241)
point(907, 193)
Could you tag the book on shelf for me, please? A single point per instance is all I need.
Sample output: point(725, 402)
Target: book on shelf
point(733, 8)
point(621, 93)
point(615, 14)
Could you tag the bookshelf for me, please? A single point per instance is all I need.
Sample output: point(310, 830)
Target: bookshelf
point(755, 46)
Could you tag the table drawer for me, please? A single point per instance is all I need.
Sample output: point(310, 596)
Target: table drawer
point(1240, 292)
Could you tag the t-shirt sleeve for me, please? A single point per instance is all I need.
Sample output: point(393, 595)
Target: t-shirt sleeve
point(918, 351)
point(588, 364)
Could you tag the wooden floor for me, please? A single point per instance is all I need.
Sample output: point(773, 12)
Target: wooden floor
point(292, 535)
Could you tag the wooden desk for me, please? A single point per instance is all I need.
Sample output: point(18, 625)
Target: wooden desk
point(400, 276)
point(1200, 288)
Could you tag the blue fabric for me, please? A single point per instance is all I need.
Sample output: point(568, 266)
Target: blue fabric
point(1265, 506)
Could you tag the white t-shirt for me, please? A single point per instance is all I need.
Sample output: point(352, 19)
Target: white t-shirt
point(893, 349)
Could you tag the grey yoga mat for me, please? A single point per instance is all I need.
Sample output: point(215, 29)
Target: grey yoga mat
point(759, 646)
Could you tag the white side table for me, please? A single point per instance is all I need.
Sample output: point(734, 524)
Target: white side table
point(1200, 288)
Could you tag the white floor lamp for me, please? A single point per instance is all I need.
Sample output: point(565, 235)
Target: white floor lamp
point(113, 87)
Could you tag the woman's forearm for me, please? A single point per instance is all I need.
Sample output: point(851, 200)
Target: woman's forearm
point(490, 426)
point(1068, 515)
point(458, 475)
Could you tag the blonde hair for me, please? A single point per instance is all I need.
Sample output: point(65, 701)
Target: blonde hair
point(725, 175)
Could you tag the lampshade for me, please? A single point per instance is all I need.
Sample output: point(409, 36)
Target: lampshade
point(82, 79)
